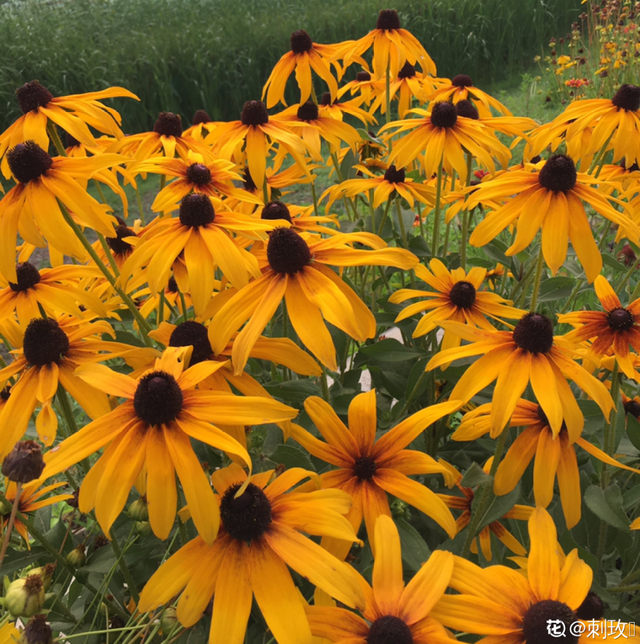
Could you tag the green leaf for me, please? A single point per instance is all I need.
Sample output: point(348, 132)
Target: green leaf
point(499, 506)
point(607, 505)
point(474, 476)
point(633, 430)
point(389, 350)
point(291, 456)
point(296, 391)
point(495, 250)
point(555, 288)
point(17, 560)
point(415, 551)
point(612, 263)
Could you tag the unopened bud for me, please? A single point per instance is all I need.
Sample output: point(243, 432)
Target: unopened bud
point(138, 510)
point(143, 528)
point(46, 572)
point(25, 596)
point(24, 463)
point(168, 620)
point(77, 556)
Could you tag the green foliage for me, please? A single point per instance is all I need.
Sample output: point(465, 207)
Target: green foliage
point(183, 56)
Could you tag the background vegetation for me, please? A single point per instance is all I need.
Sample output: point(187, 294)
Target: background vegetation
point(181, 55)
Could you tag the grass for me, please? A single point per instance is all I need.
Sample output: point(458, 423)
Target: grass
point(215, 54)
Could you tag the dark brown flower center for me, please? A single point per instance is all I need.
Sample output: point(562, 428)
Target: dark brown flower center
point(462, 80)
point(364, 468)
point(407, 71)
point(389, 630)
point(192, 334)
point(158, 398)
point(534, 333)
point(24, 463)
point(388, 19)
point(117, 243)
point(363, 76)
point(37, 631)
point(463, 294)
point(627, 98)
point(467, 109)
point(199, 174)
point(620, 319)
point(325, 99)
point(70, 141)
point(5, 393)
point(196, 210)
point(247, 517)
point(545, 420)
point(168, 124)
point(392, 175)
point(632, 407)
point(200, 116)
point(28, 276)
point(28, 161)
point(444, 115)
point(558, 174)
point(248, 181)
point(308, 111)
point(32, 95)
point(172, 285)
point(44, 342)
point(275, 210)
point(254, 113)
point(287, 252)
point(548, 622)
point(591, 608)
point(300, 42)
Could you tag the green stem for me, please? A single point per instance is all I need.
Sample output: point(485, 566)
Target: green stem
point(384, 217)
point(142, 323)
point(265, 191)
point(484, 494)
point(126, 573)
point(325, 385)
point(140, 208)
point(315, 197)
point(403, 232)
point(108, 254)
point(610, 427)
point(445, 246)
point(436, 217)
point(12, 520)
point(536, 283)
point(55, 139)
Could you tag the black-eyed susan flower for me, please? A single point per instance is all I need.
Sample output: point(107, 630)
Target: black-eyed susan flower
point(394, 613)
point(369, 469)
point(196, 173)
point(296, 268)
point(201, 125)
point(461, 88)
point(305, 55)
point(365, 85)
point(166, 137)
point(31, 499)
point(72, 113)
point(301, 218)
point(614, 328)
point(392, 47)
point(252, 137)
point(337, 108)
point(56, 290)
point(152, 430)
point(550, 198)
point(465, 503)
point(260, 535)
point(393, 181)
point(202, 232)
point(51, 350)
point(613, 124)
point(511, 607)
point(313, 127)
point(440, 137)
point(456, 296)
point(33, 206)
point(528, 354)
point(554, 455)
point(121, 244)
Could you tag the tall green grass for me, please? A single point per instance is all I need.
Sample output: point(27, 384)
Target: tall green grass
point(181, 55)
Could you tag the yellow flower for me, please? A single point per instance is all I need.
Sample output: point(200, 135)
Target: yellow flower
point(260, 536)
point(150, 432)
point(368, 469)
point(394, 613)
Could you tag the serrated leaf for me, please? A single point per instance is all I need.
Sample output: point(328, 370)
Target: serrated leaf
point(607, 505)
point(475, 475)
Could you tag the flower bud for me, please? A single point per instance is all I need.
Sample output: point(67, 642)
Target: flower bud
point(25, 596)
point(77, 557)
point(168, 620)
point(46, 572)
point(37, 631)
point(24, 463)
point(143, 528)
point(138, 510)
